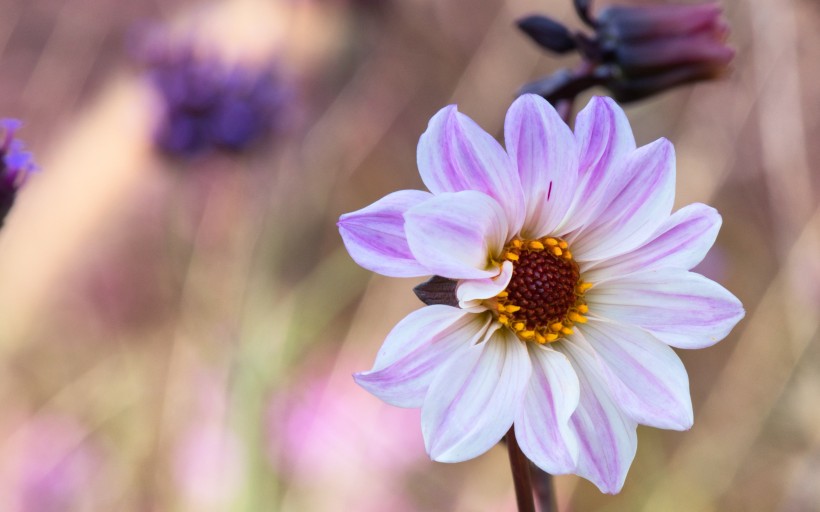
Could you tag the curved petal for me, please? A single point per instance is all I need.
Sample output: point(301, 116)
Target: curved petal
point(374, 235)
point(606, 436)
point(638, 201)
point(604, 139)
point(542, 425)
point(682, 242)
point(646, 377)
point(470, 293)
point(457, 235)
point(472, 401)
point(544, 150)
point(455, 154)
point(682, 309)
point(416, 349)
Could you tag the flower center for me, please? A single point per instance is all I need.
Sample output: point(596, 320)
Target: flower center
point(545, 297)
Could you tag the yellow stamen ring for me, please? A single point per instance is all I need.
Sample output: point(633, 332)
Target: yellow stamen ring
point(548, 264)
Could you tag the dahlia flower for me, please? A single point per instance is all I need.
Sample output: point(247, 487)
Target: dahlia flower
point(573, 283)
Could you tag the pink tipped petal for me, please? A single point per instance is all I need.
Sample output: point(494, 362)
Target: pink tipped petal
point(416, 349)
point(473, 399)
point(542, 425)
point(544, 150)
point(456, 235)
point(374, 235)
point(647, 379)
point(470, 293)
point(682, 309)
point(455, 154)
point(681, 242)
point(638, 201)
point(604, 140)
point(607, 439)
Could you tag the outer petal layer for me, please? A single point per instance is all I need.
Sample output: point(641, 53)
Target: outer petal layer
point(455, 154)
point(682, 309)
point(637, 201)
point(604, 140)
point(416, 349)
point(374, 236)
point(681, 242)
point(606, 436)
point(542, 425)
point(646, 377)
point(544, 150)
point(456, 235)
point(473, 399)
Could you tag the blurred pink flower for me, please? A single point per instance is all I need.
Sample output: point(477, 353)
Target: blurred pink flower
point(324, 433)
point(49, 465)
point(572, 278)
point(209, 462)
point(324, 427)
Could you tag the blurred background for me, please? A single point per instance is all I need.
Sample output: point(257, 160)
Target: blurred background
point(178, 329)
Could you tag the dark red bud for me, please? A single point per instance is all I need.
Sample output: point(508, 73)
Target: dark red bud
point(548, 33)
point(657, 21)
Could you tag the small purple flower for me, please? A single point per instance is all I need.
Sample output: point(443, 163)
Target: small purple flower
point(636, 52)
point(15, 165)
point(210, 105)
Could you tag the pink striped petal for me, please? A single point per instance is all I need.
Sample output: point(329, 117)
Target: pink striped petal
point(647, 379)
point(544, 150)
point(682, 309)
point(681, 242)
point(456, 235)
point(604, 139)
point(473, 400)
point(455, 154)
point(607, 439)
point(542, 425)
point(639, 199)
point(374, 236)
point(416, 349)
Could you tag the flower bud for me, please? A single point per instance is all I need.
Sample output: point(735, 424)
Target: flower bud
point(548, 33)
point(657, 40)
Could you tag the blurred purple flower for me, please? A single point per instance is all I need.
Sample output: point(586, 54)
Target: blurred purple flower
point(208, 104)
point(15, 165)
point(636, 52)
point(51, 467)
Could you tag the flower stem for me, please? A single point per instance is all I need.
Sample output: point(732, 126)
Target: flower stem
point(544, 490)
point(520, 466)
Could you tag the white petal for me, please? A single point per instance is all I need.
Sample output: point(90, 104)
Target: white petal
point(682, 242)
point(416, 349)
point(606, 436)
point(374, 235)
point(471, 292)
point(455, 154)
point(542, 425)
point(472, 402)
point(637, 202)
point(682, 309)
point(604, 140)
point(456, 235)
point(646, 377)
point(544, 150)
